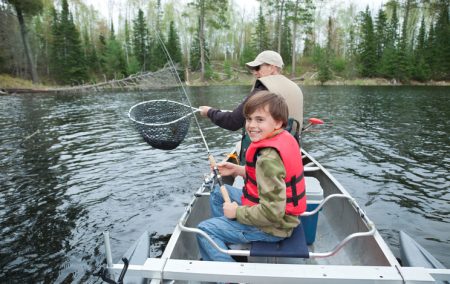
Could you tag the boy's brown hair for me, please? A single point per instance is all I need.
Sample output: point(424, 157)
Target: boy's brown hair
point(278, 108)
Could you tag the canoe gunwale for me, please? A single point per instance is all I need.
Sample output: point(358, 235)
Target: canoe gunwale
point(339, 246)
point(178, 264)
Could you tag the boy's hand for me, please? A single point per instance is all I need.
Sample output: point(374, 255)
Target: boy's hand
point(229, 209)
point(226, 168)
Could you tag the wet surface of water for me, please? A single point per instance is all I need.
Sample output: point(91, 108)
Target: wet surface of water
point(73, 166)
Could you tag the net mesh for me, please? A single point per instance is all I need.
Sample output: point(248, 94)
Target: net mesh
point(162, 123)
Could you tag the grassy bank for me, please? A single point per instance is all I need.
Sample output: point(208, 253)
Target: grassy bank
point(8, 82)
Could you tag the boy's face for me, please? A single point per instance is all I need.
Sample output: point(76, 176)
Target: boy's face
point(260, 124)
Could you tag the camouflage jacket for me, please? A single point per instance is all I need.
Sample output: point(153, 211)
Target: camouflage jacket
point(269, 215)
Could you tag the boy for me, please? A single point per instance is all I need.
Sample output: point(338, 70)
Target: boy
point(273, 197)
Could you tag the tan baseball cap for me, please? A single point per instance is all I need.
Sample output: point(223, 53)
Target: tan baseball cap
point(269, 57)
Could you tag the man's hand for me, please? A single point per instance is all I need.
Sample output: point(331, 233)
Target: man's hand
point(204, 110)
point(229, 209)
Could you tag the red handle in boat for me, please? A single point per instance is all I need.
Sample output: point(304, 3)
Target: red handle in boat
point(314, 120)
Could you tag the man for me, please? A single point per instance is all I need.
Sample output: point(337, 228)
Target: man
point(267, 69)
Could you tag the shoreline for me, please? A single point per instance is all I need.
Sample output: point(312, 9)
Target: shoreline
point(11, 85)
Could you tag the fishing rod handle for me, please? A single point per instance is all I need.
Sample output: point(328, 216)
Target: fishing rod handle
point(223, 190)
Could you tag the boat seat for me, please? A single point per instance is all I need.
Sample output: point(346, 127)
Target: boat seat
point(294, 246)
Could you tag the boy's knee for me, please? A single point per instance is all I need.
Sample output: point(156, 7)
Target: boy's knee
point(215, 195)
point(204, 225)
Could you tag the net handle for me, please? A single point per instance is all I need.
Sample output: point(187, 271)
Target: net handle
point(193, 110)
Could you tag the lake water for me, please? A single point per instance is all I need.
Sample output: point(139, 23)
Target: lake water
point(73, 166)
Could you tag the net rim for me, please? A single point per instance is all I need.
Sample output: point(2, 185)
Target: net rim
point(193, 110)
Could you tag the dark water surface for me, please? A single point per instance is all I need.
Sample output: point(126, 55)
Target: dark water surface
point(73, 166)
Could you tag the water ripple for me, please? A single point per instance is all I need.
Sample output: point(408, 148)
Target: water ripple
point(85, 170)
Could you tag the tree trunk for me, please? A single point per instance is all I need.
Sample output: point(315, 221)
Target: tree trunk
point(202, 41)
point(294, 39)
point(280, 26)
point(23, 32)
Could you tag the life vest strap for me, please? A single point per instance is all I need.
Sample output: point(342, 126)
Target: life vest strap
point(294, 199)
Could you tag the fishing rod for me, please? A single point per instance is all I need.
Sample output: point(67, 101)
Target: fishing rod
point(211, 159)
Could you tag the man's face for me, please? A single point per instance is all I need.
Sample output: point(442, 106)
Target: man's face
point(264, 70)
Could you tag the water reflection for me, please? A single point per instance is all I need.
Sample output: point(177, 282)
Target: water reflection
point(33, 192)
point(86, 170)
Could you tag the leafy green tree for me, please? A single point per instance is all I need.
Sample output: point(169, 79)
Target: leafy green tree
point(195, 52)
point(300, 14)
point(277, 7)
point(27, 8)
point(211, 12)
point(351, 55)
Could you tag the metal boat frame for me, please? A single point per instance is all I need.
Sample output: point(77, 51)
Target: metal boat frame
point(361, 257)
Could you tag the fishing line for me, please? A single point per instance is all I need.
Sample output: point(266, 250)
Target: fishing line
point(172, 65)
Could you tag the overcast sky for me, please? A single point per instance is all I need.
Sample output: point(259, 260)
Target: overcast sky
point(250, 6)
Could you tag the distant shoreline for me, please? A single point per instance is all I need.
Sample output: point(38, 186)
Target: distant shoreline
point(11, 85)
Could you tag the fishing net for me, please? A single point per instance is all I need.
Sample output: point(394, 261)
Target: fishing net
point(162, 123)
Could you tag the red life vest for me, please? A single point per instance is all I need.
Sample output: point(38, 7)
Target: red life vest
point(288, 149)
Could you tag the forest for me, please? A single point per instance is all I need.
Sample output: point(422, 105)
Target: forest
point(68, 42)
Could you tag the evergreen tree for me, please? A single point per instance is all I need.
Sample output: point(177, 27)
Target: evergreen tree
point(158, 56)
point(442, 42)
point(421, 69)
point(157, 43)
point(102, 48)
point(430, 53)
point(248, 54)
point(114, 58)
point(326, 56)
point(261, 35)
point(381, 31)
point(56, 47)
point(69, 66)
point(403, 51)
point(388, 66)
point(174, 48)
point(367, 47)
point(173, 44)
point(90, 54)
point(141, 41)
point(286, 47)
